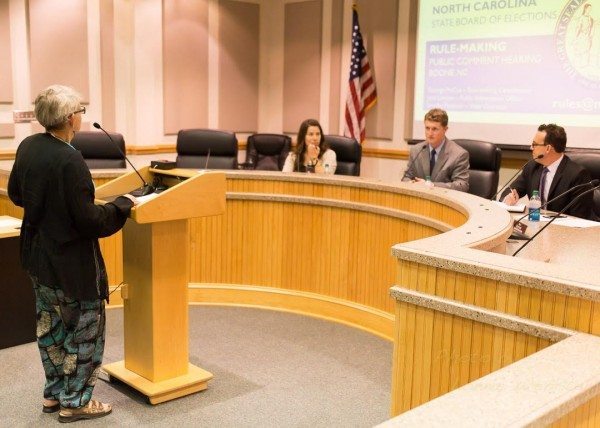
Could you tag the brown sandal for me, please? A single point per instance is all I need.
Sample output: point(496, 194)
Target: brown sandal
point(53, 408)
point(94, 409)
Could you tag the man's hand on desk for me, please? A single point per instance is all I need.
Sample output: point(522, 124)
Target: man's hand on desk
point(512, 198)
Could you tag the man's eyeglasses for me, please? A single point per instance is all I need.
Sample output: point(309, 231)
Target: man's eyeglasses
point(538, 144)
point(81, 110)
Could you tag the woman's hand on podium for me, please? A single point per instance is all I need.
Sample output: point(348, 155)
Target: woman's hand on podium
point(131, 198)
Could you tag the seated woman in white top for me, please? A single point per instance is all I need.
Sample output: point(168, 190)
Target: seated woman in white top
point(311, 153)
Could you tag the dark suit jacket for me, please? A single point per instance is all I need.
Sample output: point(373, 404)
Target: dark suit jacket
point(451, 168)
point(61, 225)
point(567, 175)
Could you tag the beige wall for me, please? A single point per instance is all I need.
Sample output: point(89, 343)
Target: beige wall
point(335, 71)
point(151, 68)
point(6, 86)
point(185, 53)
point(302, 63)
point(238, 65)
point(107, 55)
point(58, 52)
point(378, 24)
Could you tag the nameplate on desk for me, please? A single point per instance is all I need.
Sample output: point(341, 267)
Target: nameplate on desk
point(519, 227)
point(518, 208)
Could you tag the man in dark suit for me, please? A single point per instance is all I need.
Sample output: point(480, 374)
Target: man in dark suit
point(552, 174)
point(446, 163)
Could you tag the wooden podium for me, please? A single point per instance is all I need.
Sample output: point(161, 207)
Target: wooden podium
point(155, 272)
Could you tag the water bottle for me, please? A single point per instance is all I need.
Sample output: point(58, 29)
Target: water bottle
point(428, 182)
point(535, 204)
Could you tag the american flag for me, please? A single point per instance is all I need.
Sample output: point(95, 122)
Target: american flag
point(362, 94)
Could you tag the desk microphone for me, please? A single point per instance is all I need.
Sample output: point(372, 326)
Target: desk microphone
point(592, 183)
point(147, 188)
point(517, 173)
point(298, 159)
point(557, 216)
point(410, 164)
point(207, 158)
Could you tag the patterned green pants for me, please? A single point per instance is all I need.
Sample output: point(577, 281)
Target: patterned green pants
point(70, 336)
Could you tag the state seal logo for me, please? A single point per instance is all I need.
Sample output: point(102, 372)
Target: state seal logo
point(577, 36)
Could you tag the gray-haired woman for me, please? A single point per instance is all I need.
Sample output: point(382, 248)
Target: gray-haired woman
point(60, 252)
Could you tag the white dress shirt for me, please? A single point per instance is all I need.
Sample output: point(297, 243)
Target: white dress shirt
point(550, 176)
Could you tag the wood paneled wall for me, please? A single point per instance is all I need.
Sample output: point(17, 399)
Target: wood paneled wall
point(585, 416)
point(436, 352)
point(410, 203)
point(323, 249)
point(548, 307)
point(335, 252)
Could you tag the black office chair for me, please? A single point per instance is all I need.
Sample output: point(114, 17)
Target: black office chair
point(97, 150)
point(591, 162)
point(348, 153)
point(484, 166)
point(267, 152)
point(194, 145)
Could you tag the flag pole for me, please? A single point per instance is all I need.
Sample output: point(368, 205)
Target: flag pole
point(361, 92)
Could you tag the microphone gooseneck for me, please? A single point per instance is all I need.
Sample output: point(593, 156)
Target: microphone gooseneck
point(410, 164)
point(147, 188)
point(517, 173)
point(557, 216)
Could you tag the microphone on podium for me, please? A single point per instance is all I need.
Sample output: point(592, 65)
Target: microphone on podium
point(517, 173)
point(559, 214)
point(146, 189)
point(410, 164)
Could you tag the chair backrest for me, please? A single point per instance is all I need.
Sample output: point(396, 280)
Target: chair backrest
point(193, 147)
point(484, 166)
point(267, 152)
point(591, 162)
point(348, 153)
point(97, 150)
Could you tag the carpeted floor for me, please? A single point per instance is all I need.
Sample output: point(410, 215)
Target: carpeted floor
point(271, 369)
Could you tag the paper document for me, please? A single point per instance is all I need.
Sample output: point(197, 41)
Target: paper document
point(147, 197)
point(575, 222)
point(518, 208)
point(10, 223)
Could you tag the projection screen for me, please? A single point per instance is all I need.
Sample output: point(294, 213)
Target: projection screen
point(502, 67)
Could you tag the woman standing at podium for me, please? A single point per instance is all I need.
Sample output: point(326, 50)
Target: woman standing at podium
point(60, 252)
